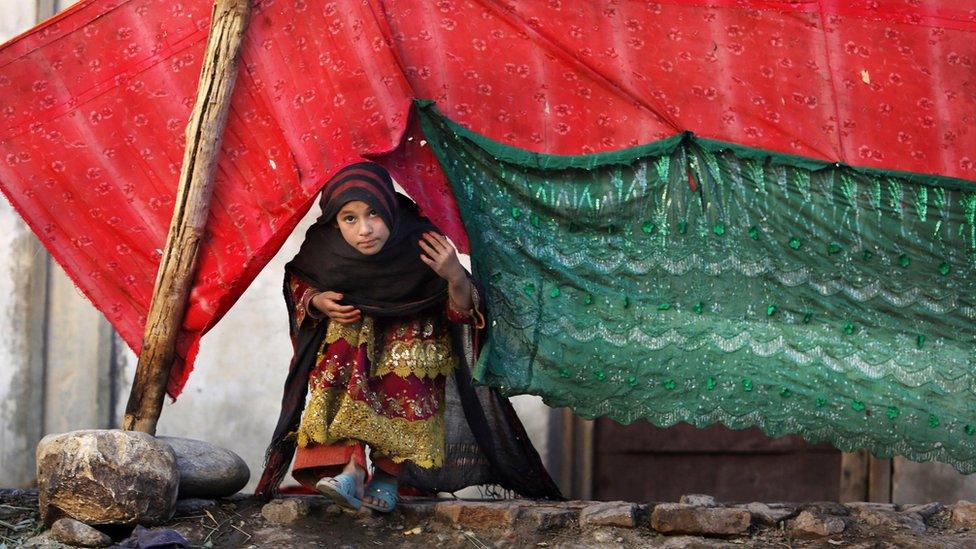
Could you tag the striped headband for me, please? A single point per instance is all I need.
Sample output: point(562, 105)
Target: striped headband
point(364, 181)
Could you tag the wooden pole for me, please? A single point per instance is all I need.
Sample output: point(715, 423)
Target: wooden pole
point(203, 136)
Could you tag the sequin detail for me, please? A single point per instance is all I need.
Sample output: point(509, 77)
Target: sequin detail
point(332, 416)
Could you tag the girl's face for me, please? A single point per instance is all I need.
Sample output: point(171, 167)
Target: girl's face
point(362, 227)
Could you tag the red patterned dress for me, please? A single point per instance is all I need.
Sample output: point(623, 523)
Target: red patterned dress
point(393, 402)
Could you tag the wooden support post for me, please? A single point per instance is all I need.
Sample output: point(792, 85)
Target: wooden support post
point(864, 477)
point(203, 137)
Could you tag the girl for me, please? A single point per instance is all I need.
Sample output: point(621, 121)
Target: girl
point(372, 294)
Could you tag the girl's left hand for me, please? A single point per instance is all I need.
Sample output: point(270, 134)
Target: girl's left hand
point(440, 256)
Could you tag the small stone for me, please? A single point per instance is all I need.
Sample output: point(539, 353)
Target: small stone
point(285, 511)
point(884, 515)
point(698, 500)
point(45, 540)
point(924, 510)
point(769, 514)
point(678, 518)
point(549, 519)
point(809, 524)
point(73, 532)
point(477, 513)
point(610, 513)
point(194, 506)
point(602, 537)
point(964, 514)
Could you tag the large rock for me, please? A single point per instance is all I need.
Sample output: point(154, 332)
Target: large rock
point(206, 470)
point(106, 477)
point(681, 518)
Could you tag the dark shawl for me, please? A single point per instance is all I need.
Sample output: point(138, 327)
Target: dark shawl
point(485, 443)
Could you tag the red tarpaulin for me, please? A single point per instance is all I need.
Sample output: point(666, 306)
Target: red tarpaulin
point(93, 104)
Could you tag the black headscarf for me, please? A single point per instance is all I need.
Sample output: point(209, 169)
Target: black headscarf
point(395, 280)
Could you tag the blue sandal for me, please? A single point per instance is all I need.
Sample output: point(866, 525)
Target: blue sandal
point(383, 489)
point(340, 489)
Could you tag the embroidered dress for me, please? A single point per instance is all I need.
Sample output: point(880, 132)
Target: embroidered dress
point(391, 397)
point(384, 380)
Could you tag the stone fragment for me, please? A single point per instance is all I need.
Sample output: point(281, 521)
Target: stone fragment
point(698, 500)
point(964, 514)
point(194, 506)
point(827, 508)
point(207, 470)
point(70, 531)
point(811, 524)
point(106, 477)
point(884, 515)
point(285, 511)
point(415, 511)
point(610, 513)
point(45, 540)
point(680, 518)
point(549, 519)
point(478, 514)
point(769, 514)
point(692, 542)
point(603, 537)
point(924, 510)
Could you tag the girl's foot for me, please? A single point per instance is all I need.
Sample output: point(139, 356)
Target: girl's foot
point(345, 489)
point(381, 492)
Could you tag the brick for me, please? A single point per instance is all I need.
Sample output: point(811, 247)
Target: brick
point(679, 518)
point(810, 524)
point(478, 514)
point(549, 519)
point(611, 513)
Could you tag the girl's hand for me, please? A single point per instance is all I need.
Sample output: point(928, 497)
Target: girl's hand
point(441, 257)
point(327, 302)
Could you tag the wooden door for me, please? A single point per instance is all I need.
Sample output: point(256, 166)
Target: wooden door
point(640, 462)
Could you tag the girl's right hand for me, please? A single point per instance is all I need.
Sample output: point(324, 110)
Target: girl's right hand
point(327, 302)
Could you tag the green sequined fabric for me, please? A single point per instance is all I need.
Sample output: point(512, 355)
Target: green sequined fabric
point(691, 281)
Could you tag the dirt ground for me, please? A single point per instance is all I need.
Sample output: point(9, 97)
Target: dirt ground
point(238, 522)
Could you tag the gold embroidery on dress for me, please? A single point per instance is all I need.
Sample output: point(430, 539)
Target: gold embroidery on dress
point(422, 358)
point(419, 354)
point(354, 334)
point(331, 417)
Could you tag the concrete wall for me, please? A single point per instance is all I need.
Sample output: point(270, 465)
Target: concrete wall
point(22, 287)
point(55, 348)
